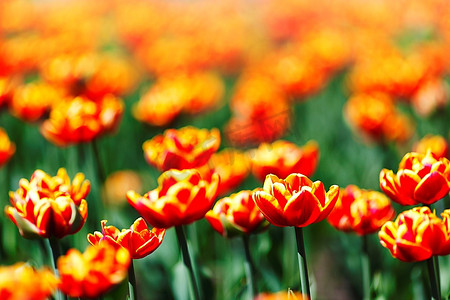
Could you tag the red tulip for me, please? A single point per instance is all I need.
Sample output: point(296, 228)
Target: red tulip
point(295, 201)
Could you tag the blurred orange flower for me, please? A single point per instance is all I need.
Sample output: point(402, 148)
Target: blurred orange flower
point(182, 197)
point(236, 214)
point(49, 206)
point(92, 273)
point(416, 234)
point(289, 295)
point(436, 143)
point(429, 96)
point(118, 184)
point(21, 281)
point(361, 211)
point(283, 158)
point(421, 178)
point(138, 239)
point(184, 148)
point(159, 106)
point(7, 86)
point(7, 148)
point(261, 111)
point(82, 120)
point(232, 166)
point(376, 117)
point(295, 201)
point(30, 102)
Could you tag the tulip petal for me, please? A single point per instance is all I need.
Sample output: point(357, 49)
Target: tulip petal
point(268, 205)
point(432, 188)
point(302, 209)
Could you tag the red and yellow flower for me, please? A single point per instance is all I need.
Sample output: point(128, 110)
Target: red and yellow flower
point(283, 158)
point(361, 211)
point(436, 143)
point(49, 206)
point(295, 201)
point(282, 295)
point(421, 178)
point(7, 148)
point(232, 166)
point(236, 214)
point(22, 281)
point(184, 148)
point(182, 197)
point(94, 272)
point(416, 235)
point(32, 101)
point(138, 239)
point(82, 120)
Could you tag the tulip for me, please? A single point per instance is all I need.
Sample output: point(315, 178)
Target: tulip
point(436, 143)
point(283, 158)
point(421, 178)
point(184, 148)
point(295, 201)
point(22, 281)
point(236, 214)
point(94, 272)
point(417, 234)
point(282, 295)
point(138, 239)
point(7, 148)
point(32, 101)
point(232, 166)
point(81, 120)
point(49, 206)
point(181, 198)
point(361, 211)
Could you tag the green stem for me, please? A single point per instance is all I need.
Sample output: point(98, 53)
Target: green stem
point(100, 170)
point(249, 267)
point(437, 271)
point(303, 267)
point(365, 264)
point(54, 248)
point(435, 292)
point(132, 288)
point(187, 261)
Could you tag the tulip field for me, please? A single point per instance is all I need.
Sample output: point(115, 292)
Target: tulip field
point(230, 149)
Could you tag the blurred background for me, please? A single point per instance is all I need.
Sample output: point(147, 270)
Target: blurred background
point(365, 80)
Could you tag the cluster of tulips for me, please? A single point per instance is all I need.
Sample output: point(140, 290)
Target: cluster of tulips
point(69, 69)
point(50, 208)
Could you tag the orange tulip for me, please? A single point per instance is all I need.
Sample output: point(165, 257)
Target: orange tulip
point(236, 214)
point(446, 221)
point(138, 239)
point(289, 295)
point(421, 178)
point(283, 158)
point(7, 148)
point(376, 116)
point(117, 185)
point(361, 211)
point(436, 143)
point(183, 148)
point(181, 198)
point(49, 206)
point(231, 165)
point(32, 101)
point(21, 281)
point(94, 272)
point(416, 235)
point(81, 120)
point(295, 201)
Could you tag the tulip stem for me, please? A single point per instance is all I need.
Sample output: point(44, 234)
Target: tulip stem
point(365, 264)
point(132, 288)
point(187, 262)
point(100, 170)
point(54, 248)
point(303, 268)
point(435, 292)
point(249, 267)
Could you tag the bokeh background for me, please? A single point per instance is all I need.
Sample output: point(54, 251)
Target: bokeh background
point(365, 79)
